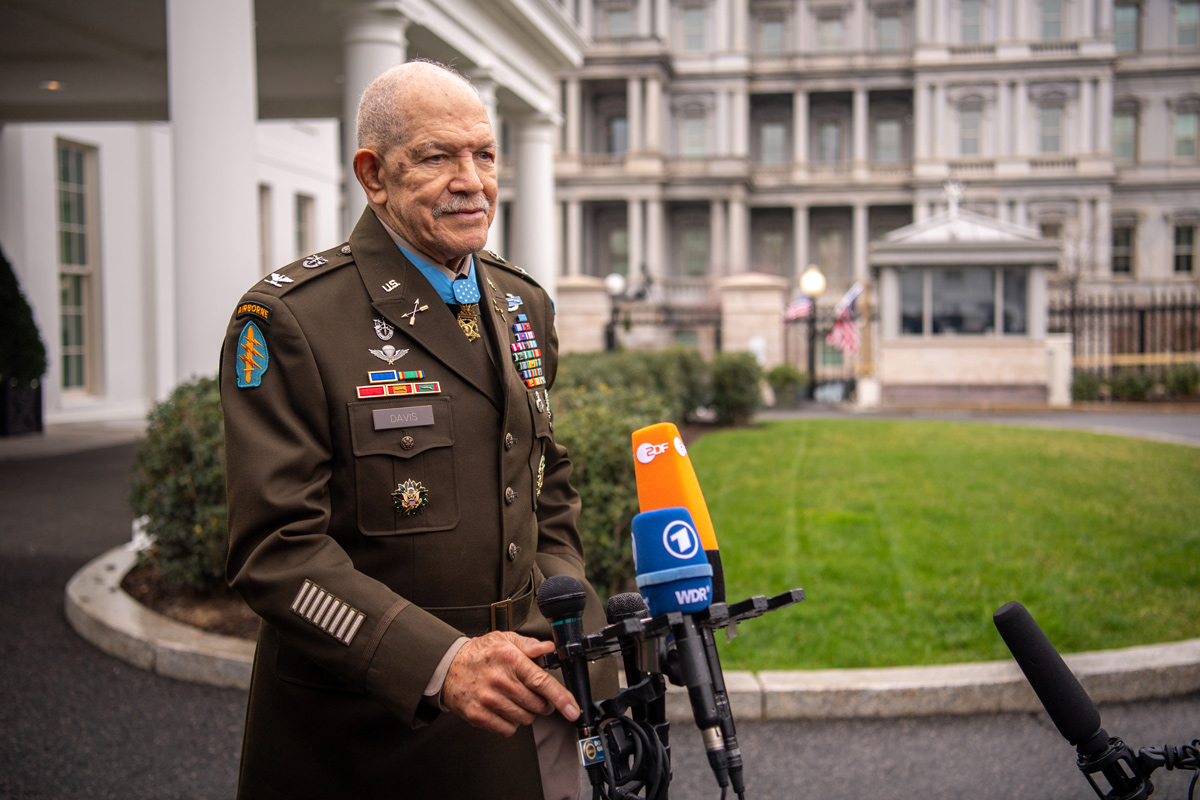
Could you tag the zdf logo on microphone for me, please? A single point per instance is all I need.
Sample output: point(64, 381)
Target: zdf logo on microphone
point(646, 452)
point(680, 539)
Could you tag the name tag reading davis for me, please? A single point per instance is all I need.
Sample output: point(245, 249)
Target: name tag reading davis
point(410, 417)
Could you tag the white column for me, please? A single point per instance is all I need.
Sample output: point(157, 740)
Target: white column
point(937, 119)
point(644, 22)
point(1104, 26)
point(571, 144)
point(799, 241)
point(485, 84)
point(1004, 23)
point(719, 246)
point(213, 106)
point(662, 20)
point(720, 25)
point(373, 42)
point(800, 126)
point(741, 16)
point(722, 122)
point(923, 21)
point(536, 245)
point(860, 235)
point(921, 120)
point(633, 102)
point(654, 113)
point(1088, 119)
point(1087, 24)
point(637, 252)
point(740, 122)
point(1000, 127)
point(739, 234)
point(1102, 237)
point(585, 18)
point(939, 23)
point(574, 237)
point(495, 240)
point(1104, 101)
point(655, 263)
point(859, 157)
point(1020, 118)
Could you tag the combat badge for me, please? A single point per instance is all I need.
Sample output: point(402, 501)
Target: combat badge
point(410, 497)
point(252, 356)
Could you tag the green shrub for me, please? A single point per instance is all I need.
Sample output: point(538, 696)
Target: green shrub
point(1085, 387)
point(788, 383)
point(22, 354)
point(735, 387)
point(1134, 386)
point(1183, 380)
point(178, 483)
point(596, 427)
point(679, 376)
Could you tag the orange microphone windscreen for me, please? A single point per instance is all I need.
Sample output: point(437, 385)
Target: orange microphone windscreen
point(666, 478)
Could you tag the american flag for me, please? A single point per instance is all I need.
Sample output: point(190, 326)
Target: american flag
point(799, 308)
point(844, 335)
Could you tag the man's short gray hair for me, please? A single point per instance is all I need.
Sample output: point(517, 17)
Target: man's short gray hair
point(382, 122)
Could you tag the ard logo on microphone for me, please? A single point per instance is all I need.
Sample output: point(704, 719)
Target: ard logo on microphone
point(681, 540)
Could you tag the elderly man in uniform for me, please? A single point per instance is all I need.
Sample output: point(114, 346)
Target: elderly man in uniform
point(396, 496)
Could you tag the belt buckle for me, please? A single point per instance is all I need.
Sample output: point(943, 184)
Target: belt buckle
point(508, 605)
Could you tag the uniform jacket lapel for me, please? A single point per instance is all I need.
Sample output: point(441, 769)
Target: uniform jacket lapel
point(399, 291)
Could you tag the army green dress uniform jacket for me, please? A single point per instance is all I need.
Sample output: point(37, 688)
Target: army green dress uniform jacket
point(392, 487)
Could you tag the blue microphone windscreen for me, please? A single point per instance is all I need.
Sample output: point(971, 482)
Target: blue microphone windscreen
point(673, 573)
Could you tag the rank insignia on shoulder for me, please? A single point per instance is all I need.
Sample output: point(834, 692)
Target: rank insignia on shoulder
point(333, 616)
point(250, 309)
point(252, 356)
point(410, 497)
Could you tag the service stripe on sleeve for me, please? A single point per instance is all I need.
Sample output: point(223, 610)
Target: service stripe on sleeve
point(327, 612)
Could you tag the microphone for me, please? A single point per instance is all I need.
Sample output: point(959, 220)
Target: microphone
point(675, 577)
point(1070, 708)
point(665, 479)
point(561, 599)
point(629, 605)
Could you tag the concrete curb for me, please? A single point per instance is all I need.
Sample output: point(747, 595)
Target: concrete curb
point(110, 619)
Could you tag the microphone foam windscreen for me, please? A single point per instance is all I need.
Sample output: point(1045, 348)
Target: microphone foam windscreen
point(561, 596)
point(666, 478)
point(1069, 707)
point(624, 606)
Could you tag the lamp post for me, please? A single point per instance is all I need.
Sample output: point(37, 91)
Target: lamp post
point(812, 283)
point(616, 285)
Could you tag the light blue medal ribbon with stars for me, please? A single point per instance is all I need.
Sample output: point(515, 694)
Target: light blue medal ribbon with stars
point(462, 292)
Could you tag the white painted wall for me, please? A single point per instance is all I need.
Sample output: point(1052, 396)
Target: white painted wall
point(137, 264)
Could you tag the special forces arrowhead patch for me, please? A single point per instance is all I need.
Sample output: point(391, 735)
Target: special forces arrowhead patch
point(252, 356)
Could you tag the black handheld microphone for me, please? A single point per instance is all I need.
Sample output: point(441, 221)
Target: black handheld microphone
point(1070, 708)
point(561, 600)
point(629, 605)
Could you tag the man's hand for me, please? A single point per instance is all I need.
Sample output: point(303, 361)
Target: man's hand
point(494, 684)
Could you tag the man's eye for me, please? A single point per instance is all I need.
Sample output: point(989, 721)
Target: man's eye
point(487, 156)
point(437, 159)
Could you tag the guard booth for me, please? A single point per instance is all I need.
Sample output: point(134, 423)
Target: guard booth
point(962, 315)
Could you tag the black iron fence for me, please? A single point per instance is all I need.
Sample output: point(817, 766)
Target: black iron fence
point(1110, 333)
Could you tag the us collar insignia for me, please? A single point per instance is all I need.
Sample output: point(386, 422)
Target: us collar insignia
point(277, 280)
point(410, 497)
point(527, 354)
point(388, 353)
point(252, 357)
point(383, 330)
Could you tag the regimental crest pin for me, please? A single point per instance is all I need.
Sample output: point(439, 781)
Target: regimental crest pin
point(383, 330)
point(410, 497)
point(252, 357)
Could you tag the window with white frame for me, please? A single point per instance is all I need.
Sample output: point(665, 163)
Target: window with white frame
point(889, 33)
point(1186, 130)
point(1052, 20)
point(615, 20)
point(772, 34)
point(1050, 128)
point(1122, 247)
point(1187, 24)
point(616, 135)
point(831, 33)
point(695, 251)
point(78, 267)
point(695, 28)
point(694, 133)
point(970, 22)
point(829, 141)
point(970, 119)
point(1185, 248)
point(887, 141)
point(964, 301)
point(773, 142)
point(1125, 132)
point(1127, 27)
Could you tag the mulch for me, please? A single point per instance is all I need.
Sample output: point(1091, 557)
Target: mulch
point(223, 611)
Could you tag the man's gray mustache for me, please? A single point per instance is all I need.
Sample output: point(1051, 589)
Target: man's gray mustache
point(460, 204)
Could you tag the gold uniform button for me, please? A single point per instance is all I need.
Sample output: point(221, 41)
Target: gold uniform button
point(509, 441)
point(510, 495)
point(513, 552)
point(408, 443)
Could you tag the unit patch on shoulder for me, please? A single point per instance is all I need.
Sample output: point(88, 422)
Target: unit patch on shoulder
point(254, 310)
point(252, 356)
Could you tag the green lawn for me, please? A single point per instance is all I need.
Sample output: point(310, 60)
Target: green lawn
point(906, 536)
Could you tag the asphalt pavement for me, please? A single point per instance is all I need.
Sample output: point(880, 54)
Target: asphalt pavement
point(77, 723)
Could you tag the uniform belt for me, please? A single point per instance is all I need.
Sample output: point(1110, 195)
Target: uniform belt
point(504, 615)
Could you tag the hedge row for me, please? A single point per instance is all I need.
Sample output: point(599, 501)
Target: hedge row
point(1136, 385)
point(178, 479)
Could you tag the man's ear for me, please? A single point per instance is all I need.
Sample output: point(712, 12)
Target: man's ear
point(368, 168)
